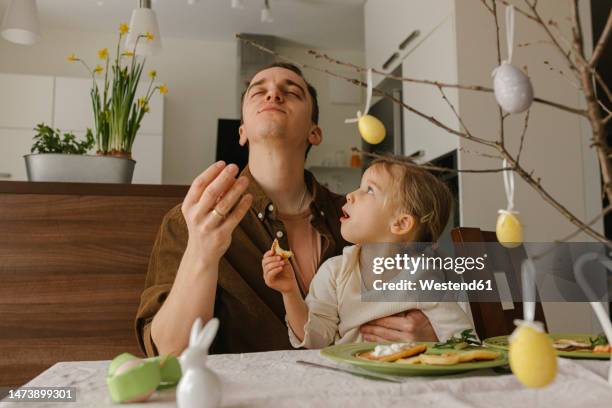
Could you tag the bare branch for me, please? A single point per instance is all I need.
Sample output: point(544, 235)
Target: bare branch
point(577, 31)
point(477, 88)
point(563, 75)
point(536, 184)
point(542, 23)
point(518, 156)
point(484, 3)
point(454, 111)
point(602, 42)
point(487, 155)
point(528, 177)
point(604, 107)
point(400, 160)
point(502, 118)
point(376, 90)
point(590, 223)
point(497, 36)
point(603, 85)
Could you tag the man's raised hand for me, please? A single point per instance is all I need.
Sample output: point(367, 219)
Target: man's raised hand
point(211, 212)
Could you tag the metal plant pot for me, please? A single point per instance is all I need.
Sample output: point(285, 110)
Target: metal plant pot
point(77, 168)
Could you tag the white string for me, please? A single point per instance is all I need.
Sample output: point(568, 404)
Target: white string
point(510, 32)
point(368, 99)
point(597, 306)
point(529, 290)
point(509, 187)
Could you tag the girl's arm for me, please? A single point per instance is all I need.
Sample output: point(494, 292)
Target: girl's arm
point(314, 322)
point(297, 312)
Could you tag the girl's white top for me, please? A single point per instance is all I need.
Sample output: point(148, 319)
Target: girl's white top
point(336, 310)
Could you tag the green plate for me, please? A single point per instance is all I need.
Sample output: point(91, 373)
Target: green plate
point(501, 343)
point(345, 353)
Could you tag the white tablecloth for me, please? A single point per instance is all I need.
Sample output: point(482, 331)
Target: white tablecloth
point(274, 379)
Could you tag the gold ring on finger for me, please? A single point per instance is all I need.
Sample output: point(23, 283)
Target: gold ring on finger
point(218, 213)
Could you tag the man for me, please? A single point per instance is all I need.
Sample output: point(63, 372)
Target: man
point(206, 260)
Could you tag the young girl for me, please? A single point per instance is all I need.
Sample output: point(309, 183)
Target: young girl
point(396, 202)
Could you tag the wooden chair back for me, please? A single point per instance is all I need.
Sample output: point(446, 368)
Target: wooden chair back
point(495, 318)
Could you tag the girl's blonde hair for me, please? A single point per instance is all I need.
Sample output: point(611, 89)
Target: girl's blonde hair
point(420, 194)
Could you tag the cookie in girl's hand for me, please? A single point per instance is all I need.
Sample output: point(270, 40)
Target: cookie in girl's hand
point(277, 250)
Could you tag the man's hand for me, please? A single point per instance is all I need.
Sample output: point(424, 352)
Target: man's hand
point(412, 325)
point(211, 213)
point(277, 275)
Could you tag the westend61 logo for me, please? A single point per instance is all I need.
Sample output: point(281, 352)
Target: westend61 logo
point(414, 264)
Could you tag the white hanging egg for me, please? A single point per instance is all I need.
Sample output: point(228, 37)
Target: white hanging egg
point(513, 90)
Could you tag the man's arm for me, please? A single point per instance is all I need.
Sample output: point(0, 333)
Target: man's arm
point(211, 215)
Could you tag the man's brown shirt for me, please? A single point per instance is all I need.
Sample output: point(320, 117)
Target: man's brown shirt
point(252, 315)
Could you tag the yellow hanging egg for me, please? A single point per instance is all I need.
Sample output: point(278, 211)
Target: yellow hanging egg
point(532, 357)
point(509, 230)
point(372, 130)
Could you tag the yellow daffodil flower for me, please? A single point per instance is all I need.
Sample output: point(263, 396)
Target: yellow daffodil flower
point(142, 102)
point(163, 89)
point(127, 53)
point(152, 74)
point(103, 53)
point(123, 28)
point(72, 58)
point(146, 108)
point(98, 69)
point(149, 36)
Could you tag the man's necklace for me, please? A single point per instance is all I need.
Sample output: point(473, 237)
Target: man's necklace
point(302, 200)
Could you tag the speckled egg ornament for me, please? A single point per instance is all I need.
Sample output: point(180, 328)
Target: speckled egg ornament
point(513, 89)
point(372, 130)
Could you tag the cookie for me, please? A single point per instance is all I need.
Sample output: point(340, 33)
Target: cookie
point(280, 251)
point(440, 359)
point(478, 355)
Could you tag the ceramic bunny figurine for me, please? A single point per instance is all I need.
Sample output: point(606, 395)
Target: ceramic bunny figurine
point(199, 387)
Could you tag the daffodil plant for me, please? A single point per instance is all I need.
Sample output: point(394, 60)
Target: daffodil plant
point(117, 112)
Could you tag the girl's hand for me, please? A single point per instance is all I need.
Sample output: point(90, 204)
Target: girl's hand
point(277, 274)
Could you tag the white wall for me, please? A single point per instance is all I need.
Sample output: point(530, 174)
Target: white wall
point(202, 77)
point(554, 142)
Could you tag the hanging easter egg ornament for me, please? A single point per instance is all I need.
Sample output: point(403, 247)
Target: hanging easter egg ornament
point(532, 357)
point(371, 129)
point(508, 229)
point(513, 90)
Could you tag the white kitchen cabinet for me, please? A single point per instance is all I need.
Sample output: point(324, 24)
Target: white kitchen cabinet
point(25, 100)
point(388, 23)
point(435, 59)
point(15, 144)
point(72, 101)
